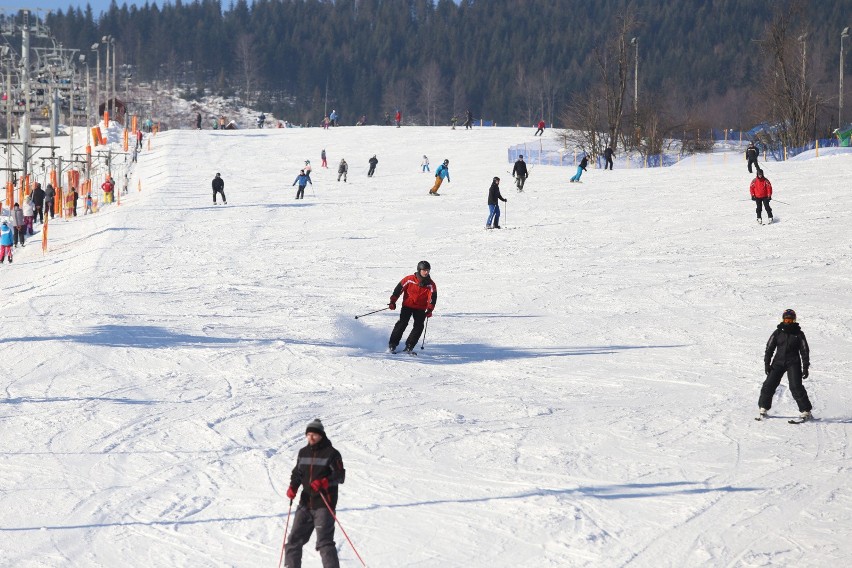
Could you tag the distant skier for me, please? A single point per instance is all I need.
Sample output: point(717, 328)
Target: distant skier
point(761, 194)
point(520, 172)
point(441, 172)
point(322, 157)
point(453, 121)
point(261, 120)
point(580, 169)
point(38, 203)
point(49, 200)
point(398, 118)
point(751, 154)
point(303, 180)
point(387, 119)
point(373, 162)
point(319, 471)
point(198, 121)
point(108, 187)
point(29, 212)
point(139, 139)
point(332, 118)
point(792, 356)
point(425, 164)
point(219, 187)
point(420, 294)
point(608, 154)
point(307, 169)
point(342, 170)
point(18, 223)
point(468, 121)
point(88, 203)
point(494, 199)
point(540, 131)
point(74, 197)
point(6, 241)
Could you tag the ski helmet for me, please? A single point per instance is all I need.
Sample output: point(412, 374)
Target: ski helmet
point(496, 179)
point(789, 314)
point(423, 265)
point(446, 162)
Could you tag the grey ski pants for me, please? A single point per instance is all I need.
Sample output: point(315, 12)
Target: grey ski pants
point(304, 522)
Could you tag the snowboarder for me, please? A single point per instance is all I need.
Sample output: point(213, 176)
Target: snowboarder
point(441, 172)
point(319, 471)
point(761, 194)
point(373, 162)
point(6, 241)
point(49, 200)
point(398, 118)
point(29, 210)
point(342, 169)
point(494, 199)
point(792, 356)
point(608, 154)
point(38, 203)
point(751, 156)
point(420, 294)
point(18, 224)
point(219, 187)
point(468, 121)
point(425, 164)
point(540, 130)
point(580, 169)
point(520, 172)
point(322, 157)
point(303, 180)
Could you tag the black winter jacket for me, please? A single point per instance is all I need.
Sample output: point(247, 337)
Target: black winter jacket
point(315, 462)
point(584, 162)
point(789, 344)
point(218, 184)
point(38, 197)
point(494, 194)
point(520, 169)
point(752, 153)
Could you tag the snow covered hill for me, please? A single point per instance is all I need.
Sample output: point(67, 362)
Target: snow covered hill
point(585, 396)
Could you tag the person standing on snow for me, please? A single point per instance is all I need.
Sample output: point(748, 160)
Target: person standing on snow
point(520, 172)
point(580, 169)
point(6, 240)
point(49, 200)
point(307, 169)
point(303, 180)
point(425, 164)
point(441, 172)
point(342, 170)
point(494, 199)
point(540, 130)
point(198, 121)
point(398, 118)
point(319, 471)
point(332, 118)
point(18, 224)
point(322, 157)
point(219, 187)
point(420, 294)
point(608, 154)
point(29, 210)
point(468, 121)
point(792, 356)
point(373, 162)
point(38, 203)
point(761, 194)
point(751, 156)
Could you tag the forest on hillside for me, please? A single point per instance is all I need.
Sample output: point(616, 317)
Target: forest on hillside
point(511, 61)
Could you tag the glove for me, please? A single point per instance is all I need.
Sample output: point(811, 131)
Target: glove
point(768, 368)
point(753, 198)
point(768, 199)
point(429, 315)
point(392, 304)
point(805, 374)
point(291, 493)
point(321, 483)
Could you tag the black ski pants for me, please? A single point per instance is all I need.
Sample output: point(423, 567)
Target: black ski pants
point(304, 522)
point(371, 171)
point(222, 192)
point(39, 213)
point(406, 314)
point(48, 207)
point(19, 235)
point(300, 193)
point(794, 377)
point(752, 162)
point(608, 163)
point(763, 202)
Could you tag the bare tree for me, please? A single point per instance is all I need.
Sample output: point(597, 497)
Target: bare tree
point(582, 118)
point(613, 58)
point(432, 93)
point(786, 96)
point(248, 65)
point(397, 95)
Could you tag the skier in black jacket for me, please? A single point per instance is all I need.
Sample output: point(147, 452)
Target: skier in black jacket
point(219, 187)
point(751, 156)
point(792, 356)
point(520, 172)
point(49, 195)
point(494, 199)
point(373, 162)
point(38, 203)
point(319, 470)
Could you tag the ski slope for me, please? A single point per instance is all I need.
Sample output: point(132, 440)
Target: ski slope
point(585, 397)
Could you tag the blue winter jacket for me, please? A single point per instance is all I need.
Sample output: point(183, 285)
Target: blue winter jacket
point(303, 180)
point(6, 235)
point(443, 171)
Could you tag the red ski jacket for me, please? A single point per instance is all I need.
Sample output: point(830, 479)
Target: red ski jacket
point(761, 188)
point(416, 296)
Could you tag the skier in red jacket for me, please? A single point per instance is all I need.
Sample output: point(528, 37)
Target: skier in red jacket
point(761, 193)
point(419, 297)
point(540, 130)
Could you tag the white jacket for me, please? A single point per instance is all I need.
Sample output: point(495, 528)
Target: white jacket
point(29, 208)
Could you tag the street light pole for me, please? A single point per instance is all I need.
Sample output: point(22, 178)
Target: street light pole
point(105, 40)
point(803, 38)
point(635, 42)
point(843, 35)
point(114, 92)
point(96, 47)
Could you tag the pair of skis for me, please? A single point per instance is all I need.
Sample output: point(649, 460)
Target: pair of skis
point(762, 417)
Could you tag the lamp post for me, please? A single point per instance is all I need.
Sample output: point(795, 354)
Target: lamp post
point(803, 38)
point(96, 48)
point(635, 43)
point(843, 35)
point(106, 40)
point(114, 68)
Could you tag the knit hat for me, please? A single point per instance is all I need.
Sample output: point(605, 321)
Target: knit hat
point(789, 314)
point(316, 427)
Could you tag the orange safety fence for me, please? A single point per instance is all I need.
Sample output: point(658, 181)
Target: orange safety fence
point(10, 193)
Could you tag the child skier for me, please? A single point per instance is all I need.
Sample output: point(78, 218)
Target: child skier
point(6, 240)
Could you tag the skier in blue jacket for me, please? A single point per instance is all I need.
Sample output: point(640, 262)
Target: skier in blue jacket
point(303, 180)
point(6, 241)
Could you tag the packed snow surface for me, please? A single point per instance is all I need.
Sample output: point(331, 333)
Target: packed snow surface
point(585, 397)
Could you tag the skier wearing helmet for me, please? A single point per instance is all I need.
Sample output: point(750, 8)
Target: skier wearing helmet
point(419, 296)
point(441, 172)
point(307, 169)
point(792, 356)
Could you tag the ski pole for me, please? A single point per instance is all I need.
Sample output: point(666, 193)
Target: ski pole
point(506, 216)
point(425, 329)
point(333, 516)
point(779, 201)
point(287, 526)
point(373, 312)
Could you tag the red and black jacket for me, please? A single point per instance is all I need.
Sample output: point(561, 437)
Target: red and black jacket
point(315, 462)
point(418, 293)
point(761, 188)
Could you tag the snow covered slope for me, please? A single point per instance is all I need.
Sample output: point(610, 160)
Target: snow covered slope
point(585, 396)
